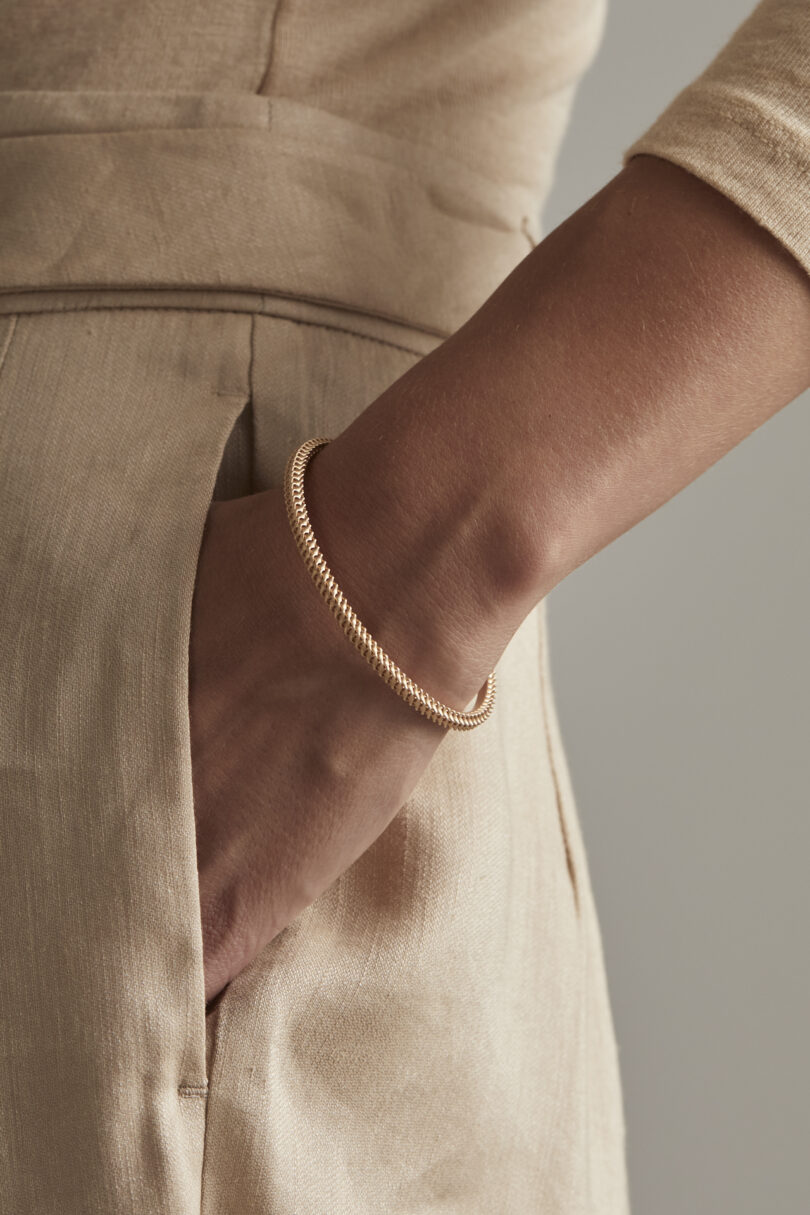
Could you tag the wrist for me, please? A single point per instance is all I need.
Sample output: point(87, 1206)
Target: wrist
point(429, 571)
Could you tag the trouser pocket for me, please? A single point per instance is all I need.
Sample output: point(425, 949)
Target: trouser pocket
point(113, 425)
point(234, 479)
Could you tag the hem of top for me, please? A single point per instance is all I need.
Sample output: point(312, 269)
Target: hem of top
point(301, 310)
point(308, 204)
point(777, 137)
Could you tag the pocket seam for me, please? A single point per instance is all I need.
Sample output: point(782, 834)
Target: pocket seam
point(573, 873)
point(8, 340)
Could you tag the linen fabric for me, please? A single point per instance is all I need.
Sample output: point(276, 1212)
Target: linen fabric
point(434, 1030)
point(224, 229)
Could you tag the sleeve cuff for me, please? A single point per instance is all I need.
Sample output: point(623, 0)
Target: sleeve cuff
point(754, 162)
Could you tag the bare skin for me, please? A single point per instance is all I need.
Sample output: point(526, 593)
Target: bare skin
point(642, 340)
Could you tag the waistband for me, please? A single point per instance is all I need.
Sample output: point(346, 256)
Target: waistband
point(244, 193)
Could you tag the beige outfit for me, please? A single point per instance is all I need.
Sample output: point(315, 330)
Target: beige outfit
point(225, 228)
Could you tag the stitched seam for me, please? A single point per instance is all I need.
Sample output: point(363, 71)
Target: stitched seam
point(744, 122)
point(7, 343)
point(524, 227)
point(250, 400)
point(366, 337)
point(563, 826)
point(251, 355)
point(228, 312)
point(574, 1039)
point(193, 1090)
point(271, 46)
point(569, 857)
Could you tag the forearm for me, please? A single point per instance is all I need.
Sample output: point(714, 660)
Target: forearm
point(641, 341)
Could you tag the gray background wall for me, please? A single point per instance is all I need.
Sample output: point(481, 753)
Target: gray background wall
point(681, 664)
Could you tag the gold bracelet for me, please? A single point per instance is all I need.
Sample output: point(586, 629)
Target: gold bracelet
point(358, 634)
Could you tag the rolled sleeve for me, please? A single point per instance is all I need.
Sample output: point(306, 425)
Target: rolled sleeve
point(743, 125)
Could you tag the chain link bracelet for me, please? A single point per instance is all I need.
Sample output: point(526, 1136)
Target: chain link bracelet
point(355, 630)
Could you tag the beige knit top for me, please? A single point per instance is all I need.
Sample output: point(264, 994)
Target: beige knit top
point(415, 141)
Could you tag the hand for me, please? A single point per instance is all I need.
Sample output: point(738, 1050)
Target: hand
point(301, 755)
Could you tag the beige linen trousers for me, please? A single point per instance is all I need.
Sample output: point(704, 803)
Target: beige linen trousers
point(225, 228)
